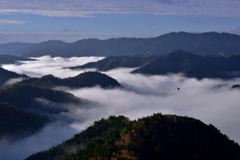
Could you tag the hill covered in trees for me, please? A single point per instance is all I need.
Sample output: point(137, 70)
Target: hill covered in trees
point(113, 62)
point(17, 122)
point(33, 98)
point(86, 79)
point(210, 43)
point(6, 75)
point(7, 59)
point(192, 65)
point(166, 137)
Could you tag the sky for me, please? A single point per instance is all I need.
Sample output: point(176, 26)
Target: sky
point(72, 20)
point(209, 100)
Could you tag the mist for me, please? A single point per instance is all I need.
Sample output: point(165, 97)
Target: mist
point(50, 65)
point(209, 100)
point(49, 136)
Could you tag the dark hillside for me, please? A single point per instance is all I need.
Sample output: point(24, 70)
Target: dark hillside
point(116, 62)
point(192, 65)
point(166, 137)
point(15, 121)
point(86, 79)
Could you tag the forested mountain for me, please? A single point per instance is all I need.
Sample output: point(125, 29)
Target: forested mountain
point(116, 62)
point(86, 79)
point(37, 99)
point(7, 59)
point(12, 48)
point(210, 43)
point(166, 137)
point(17, 122)
point(6, 75)
point(192, 65)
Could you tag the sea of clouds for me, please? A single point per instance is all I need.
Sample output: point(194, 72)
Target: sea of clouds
point(209, 100)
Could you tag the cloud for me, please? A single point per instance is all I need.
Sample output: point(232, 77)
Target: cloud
point(12, 81)
point(172, 1)
point(47, 65)
point(51, 135)
point(205, 100)
point(233, 30)
point(209, 100)
point(2, 22)
point(81, 8)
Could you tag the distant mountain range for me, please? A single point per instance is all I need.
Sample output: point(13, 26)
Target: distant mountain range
point(86, 79)
point(166, 137)
point(210, 43)
point(13, 48)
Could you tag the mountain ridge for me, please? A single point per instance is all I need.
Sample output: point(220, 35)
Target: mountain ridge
point(192, 65)
point(86, 79)
point(209, 43)
point(13, 47)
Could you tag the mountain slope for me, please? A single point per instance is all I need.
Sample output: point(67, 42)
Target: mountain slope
point(15, 121)
point(7, 59)
point(86, 79)
point(166, 137)
point(116, 62)
point(44, 48)
point(210, 43)
point(6, 75)
point(12, 48)
point(38, 99)
point(192, 65)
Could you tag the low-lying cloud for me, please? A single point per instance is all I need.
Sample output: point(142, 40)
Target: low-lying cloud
point(210, 100)
point(47, 65)
point(51, 135)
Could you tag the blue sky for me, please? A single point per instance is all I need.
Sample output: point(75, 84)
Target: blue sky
point(71, 20)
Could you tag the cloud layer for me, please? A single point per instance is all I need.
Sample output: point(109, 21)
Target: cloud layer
point(47, 65)
point(209, 100)
point(81, 8)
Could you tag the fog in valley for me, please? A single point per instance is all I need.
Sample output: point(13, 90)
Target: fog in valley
point(209, 100)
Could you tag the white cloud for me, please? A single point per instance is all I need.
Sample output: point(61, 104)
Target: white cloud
point(203, 100)
point(2, 22)
point(81, 8)
point(209, 100)
point(47, 65)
